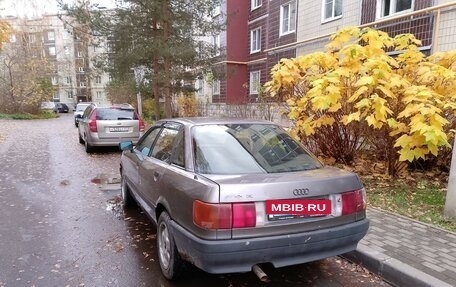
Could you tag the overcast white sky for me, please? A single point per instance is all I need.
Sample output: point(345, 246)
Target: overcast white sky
point(35, 8)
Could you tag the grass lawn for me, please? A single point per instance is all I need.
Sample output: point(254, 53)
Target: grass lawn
point(423, 201)
point(25, 116)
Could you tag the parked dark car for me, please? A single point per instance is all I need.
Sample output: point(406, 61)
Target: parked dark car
point(228, 194)
point(61, 108)
point(108, 125)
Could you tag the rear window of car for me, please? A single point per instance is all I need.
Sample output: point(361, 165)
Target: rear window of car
point(81, 108)
point(115, 114)
point(248, 148)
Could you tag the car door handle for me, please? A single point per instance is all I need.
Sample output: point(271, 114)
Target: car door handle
point(156, 175)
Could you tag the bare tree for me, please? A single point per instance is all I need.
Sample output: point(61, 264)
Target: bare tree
point(24, 76)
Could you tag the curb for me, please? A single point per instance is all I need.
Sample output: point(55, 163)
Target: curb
point(440, 229)
point(392, 270)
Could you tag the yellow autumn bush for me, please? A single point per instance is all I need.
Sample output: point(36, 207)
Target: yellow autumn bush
point(356, 95)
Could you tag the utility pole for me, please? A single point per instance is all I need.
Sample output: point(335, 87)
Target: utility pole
point(450, 202)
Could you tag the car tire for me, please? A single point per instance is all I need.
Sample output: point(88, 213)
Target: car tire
point(81, 141)
point(171, 264)
point(75, 124)
point(88, 148)
point(127, 198)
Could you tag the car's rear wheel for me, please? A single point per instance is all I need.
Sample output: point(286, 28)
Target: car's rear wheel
point(127, 199)
point(171, 264)
point(89, 148)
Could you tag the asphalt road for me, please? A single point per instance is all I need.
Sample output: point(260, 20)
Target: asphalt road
point(61, 223)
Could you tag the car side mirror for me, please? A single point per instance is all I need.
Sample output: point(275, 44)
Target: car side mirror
point(126, 145)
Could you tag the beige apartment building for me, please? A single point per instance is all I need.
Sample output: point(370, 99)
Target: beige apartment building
point(69, 51)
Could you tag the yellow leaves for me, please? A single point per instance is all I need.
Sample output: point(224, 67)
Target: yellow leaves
point(366, 80)
point(404, 41)
point(381, 109)
point(351, 117)
point(355, 81)
point(357, 94)
point(362, 104)
point(342, 37)
point(5, 30)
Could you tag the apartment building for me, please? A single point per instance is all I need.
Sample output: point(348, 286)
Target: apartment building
point(278, 29)
point(69, 51)
point(271, 24)
point(229, 72)
point(243, 60)
point(432, 22)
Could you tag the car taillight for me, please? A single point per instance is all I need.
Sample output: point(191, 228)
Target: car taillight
point(224, 215)
point(142, 126)
point(353, 201)
point(93, 122)
point(244, 215)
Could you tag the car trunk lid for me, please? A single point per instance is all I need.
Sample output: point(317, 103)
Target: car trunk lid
point(325, 183)
point(117, 129)
point(115, 123)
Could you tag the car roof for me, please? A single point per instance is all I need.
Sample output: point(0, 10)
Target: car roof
point(214, 120)
point(114, 106)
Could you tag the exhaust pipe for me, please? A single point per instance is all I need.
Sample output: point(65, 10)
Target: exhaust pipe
point(260, 273)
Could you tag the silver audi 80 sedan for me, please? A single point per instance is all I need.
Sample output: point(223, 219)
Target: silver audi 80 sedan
point(229, 194)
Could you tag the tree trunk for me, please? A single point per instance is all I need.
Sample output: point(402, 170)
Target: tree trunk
point(166, 63)
point(155, 90)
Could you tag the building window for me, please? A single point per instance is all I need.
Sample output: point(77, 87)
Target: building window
point(288, 18)
point(69, 94)
point(389, 7)
point(216, 87)
point(216, 44)
point(56, 96)
point(82, 84)
point(65, 35)
point(79, 54)
point(255, 82)
point(52, 51)
point(332, 9)
point(12, 38)
point(54, 80)
point(68, 80)
point(255, 40)
point(98, 79)
point(66, 50)
point(216, 10)
point(99, 95)
point(81, 69)
point(200, 87)
point(109, 47)
point(51, 36)
point(255, 4)
point(32, 38)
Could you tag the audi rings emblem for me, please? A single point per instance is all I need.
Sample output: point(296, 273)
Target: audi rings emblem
point(300, 191)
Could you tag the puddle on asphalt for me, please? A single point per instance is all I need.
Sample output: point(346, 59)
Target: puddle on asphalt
point(110, 184)
point(107, 182)
point(114, 205)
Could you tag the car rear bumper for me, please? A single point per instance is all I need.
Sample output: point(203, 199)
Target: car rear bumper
point(239, 255)
point(94, 140)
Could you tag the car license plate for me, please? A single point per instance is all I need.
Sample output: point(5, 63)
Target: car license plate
point(118, 129)
point(291, 209)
